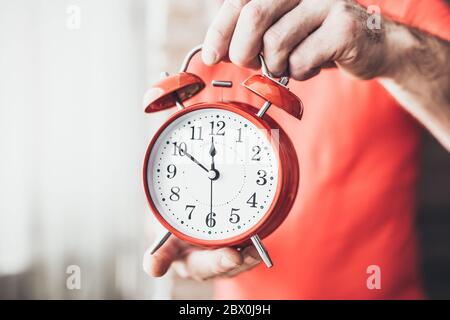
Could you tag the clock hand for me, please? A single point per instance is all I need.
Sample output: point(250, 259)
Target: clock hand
point(211, 197)
point(196, 161)
point(192, 158)
point(213, 173)
point(212, 153)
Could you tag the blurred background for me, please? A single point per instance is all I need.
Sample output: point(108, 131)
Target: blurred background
point(73, 135)
point(72, 139)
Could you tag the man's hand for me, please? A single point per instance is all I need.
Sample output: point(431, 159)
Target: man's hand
point(297, 37)
point(300, 38)
point(197, 263)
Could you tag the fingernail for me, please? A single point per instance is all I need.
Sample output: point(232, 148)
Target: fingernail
point(227, 262)
point(209, 55)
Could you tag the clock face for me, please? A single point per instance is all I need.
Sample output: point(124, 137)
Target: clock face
point(212, 174)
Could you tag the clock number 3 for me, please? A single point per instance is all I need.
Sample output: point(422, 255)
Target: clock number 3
point(262, 174)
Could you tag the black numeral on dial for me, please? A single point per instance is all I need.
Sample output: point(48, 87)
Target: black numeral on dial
point(172, 171)
point(190, 209)
point(210, 221)
point(239, 139)
point(179, 148)
point(262, 174)
point(234, 217)
point(252, 201)
point(257, 151)
point(196, 133)
point(175, 194)
point(217, 128)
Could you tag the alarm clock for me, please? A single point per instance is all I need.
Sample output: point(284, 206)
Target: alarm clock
point(220, 173)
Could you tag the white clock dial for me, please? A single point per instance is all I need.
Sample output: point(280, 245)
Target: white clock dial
point(212, 174)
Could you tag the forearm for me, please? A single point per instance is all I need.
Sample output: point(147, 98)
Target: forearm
point(419, 77)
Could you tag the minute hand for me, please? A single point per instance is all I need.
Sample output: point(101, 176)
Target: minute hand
point(184, 152)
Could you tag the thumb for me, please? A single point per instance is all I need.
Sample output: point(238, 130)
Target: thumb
point(156, 265)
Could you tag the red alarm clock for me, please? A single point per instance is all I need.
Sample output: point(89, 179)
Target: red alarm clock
point(221, 173)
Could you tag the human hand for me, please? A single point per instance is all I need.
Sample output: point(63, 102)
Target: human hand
point(199, 263)
point(299, 37)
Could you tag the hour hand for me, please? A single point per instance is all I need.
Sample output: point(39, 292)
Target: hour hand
point(212, 153)
point(213, 173)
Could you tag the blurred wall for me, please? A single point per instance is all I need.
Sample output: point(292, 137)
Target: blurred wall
point(72, 139)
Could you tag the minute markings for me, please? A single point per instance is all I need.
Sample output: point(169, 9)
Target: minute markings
point(228, 217)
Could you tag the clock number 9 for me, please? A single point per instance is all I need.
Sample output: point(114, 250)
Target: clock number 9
point(175, 195)
point(234, 217)
point(172, 170)
point(262, 174)
point(210, 221)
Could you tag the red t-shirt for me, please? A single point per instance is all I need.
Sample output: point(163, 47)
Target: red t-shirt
point(358, 152)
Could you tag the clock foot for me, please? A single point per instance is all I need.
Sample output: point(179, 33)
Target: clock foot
point(159, 242)
point(262, 251)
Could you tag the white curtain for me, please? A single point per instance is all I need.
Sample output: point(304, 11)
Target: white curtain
point(72, 139)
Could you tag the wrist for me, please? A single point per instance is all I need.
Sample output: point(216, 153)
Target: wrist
point(401, 44)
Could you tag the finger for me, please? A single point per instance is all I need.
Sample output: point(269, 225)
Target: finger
point(320, 48)
point(218, 36)
point(156, 265)
point(205, 264)
point(251, 259)
point(255, 18)
point(291, 29)
point(330, 43)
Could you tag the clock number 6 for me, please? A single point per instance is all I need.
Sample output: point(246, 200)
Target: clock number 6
point(210, 221)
